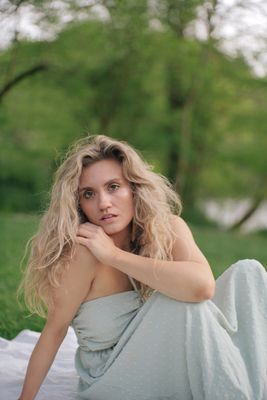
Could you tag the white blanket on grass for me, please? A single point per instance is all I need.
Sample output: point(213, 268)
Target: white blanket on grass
point(62, 379)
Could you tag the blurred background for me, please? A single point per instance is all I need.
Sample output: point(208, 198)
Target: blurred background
point(183, 81)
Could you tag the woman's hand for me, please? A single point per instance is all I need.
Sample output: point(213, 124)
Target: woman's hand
point(97, 241)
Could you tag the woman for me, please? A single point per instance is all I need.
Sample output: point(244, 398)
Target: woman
point(113, 225)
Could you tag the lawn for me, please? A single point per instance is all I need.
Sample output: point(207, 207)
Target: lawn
point(220, 248)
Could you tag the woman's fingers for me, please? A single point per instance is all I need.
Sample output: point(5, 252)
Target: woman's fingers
point(83, 232)
point(81, 240)
point(87, 229)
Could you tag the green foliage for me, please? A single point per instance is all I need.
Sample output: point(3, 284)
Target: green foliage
point(197, 115)
point(196, 217)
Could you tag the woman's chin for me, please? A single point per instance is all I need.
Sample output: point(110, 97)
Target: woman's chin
point(115, 231)
point(111, 232)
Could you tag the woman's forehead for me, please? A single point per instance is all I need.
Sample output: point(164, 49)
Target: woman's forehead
point(101, 172)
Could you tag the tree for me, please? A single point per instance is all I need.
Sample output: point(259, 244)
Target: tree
point(142, 76)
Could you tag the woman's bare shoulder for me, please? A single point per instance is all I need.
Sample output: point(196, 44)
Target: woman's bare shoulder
point(81, 267)
point(185, 247)
point(180, 226)
point(75, 283)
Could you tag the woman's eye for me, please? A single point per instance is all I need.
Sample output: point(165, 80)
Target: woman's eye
point(113, 187)
point(88, 194)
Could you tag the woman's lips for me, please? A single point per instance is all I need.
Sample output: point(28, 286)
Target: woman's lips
point(108, 218)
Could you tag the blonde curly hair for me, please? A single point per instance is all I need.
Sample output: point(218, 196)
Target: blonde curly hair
point(53, 245)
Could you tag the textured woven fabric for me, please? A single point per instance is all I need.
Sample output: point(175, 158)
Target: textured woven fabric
point(168, 349)
point(163, 349)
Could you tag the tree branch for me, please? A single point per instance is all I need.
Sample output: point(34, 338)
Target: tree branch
point(23, 75)
point(254, 206)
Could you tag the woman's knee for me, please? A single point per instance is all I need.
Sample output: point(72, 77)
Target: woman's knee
point(248, 267)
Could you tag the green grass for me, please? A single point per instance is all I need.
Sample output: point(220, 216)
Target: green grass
point(221, 249)
point(15, 231)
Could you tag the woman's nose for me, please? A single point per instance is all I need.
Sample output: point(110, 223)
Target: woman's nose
point(104, 201)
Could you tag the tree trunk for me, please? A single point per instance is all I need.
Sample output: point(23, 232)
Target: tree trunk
point(254, 207)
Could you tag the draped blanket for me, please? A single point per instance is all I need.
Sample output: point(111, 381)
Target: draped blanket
point(61, 381)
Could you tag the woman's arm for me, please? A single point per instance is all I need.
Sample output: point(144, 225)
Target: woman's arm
point(75, 285)
point(41, 360)
point(187, 278)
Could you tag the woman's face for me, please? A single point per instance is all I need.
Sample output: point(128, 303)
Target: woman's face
point(106, 198)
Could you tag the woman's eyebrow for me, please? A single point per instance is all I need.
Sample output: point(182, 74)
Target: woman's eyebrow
point(105, 184)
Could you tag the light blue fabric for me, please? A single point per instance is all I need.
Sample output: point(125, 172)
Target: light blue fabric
point(168, 349)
